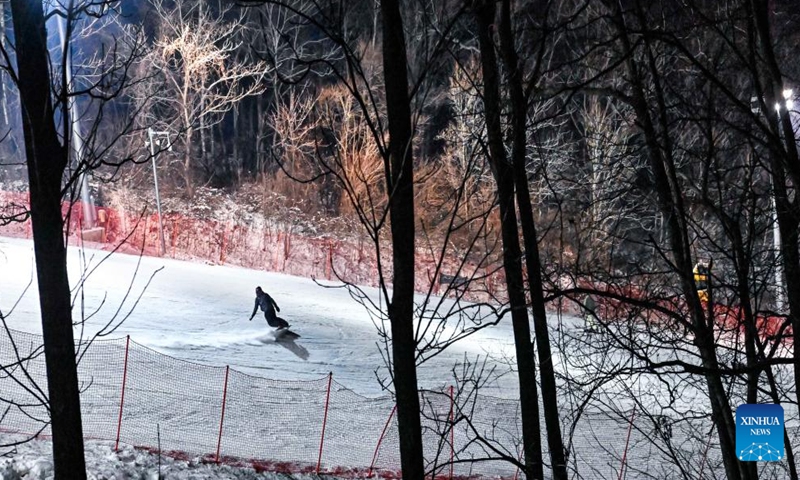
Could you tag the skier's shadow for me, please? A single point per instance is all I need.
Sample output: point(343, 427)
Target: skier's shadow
point(288, 344)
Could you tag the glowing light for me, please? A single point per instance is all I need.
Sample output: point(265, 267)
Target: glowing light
point(788, 100)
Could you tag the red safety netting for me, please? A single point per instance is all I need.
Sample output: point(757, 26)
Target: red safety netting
point(261, 246)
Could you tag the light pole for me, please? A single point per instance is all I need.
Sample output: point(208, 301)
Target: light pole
point(788, 103)
point(75, 126)
point(776, 244)
point(152, 137)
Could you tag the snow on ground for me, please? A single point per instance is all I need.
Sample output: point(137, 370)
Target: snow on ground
point(199, 312)
point(33, 461)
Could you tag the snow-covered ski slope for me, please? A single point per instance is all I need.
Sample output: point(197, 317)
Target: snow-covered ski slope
point(199, 312)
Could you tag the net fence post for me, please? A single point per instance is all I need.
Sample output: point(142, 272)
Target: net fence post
point(520, 452)
point(122, 395)
point(705, 452)
point(627, 442)
point(222, 416)
point(380, 440)
point(452, 429)
point(324, 421)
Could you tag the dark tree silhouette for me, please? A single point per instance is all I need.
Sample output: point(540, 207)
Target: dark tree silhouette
point(47, 159)
point(512, 255)
point(400, 187)
point(46, 93)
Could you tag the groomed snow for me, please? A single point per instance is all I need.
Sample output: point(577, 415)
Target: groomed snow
point(200, 312)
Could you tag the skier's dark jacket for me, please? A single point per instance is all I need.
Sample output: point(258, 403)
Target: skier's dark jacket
point(267, 304)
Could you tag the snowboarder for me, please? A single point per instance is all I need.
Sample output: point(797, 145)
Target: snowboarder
point(268, 306)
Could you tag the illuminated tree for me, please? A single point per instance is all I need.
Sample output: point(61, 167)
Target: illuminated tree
point(196, 78)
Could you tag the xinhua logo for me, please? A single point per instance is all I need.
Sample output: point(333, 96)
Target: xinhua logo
point(759, 432)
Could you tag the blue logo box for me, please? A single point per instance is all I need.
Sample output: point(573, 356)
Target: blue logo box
point(759, 432)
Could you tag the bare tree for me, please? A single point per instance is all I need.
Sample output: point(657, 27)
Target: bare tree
point(651, 116)
point(504, 176)
point(693, 187)
point(305, 123)
point(196, 77)
point(52, 178)
point(610, 166)
point(400, 188)
point(776, 133)
point(345, 136)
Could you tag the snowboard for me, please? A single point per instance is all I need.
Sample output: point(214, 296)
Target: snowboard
point(284, 334)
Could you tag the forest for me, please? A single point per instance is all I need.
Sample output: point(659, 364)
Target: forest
point(632, 162)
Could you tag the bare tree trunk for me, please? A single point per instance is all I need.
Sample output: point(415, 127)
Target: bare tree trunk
point(748, 317)
point(201, 130)
point(788, 212)
point(671, 205)
point(187, 162)
point(375, 16)
point(750, 333)
point(259, 137)
point(754, 352)
point(526, 365)
point(704, 336)
point(46, 160)
point(400, 187)
point(189, 125)
point(532, 259)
